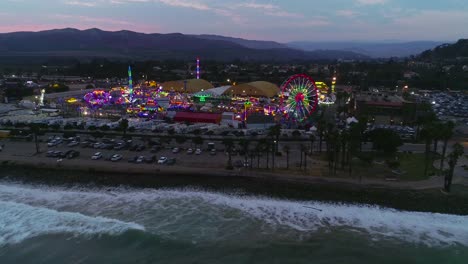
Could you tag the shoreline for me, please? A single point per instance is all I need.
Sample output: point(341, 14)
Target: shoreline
point(261, 184)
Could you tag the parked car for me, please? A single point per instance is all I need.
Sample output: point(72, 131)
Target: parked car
point(175, 150)
point(73, 154)
point(155, 149)
point(73, 143)
point(140, 159)
point(162, 160)
point(96, 156)
point(150, 159)
point(213, 152)
point(198, 151)
point(116, 157)
point(189, 151)
point(133, 159)
point(171, 161)
point(140, 148)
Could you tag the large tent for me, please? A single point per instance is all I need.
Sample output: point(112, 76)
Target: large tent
point(191, 85)
point(257, 89)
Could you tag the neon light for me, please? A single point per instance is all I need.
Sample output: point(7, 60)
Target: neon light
point(198, 68)
point(130, 83)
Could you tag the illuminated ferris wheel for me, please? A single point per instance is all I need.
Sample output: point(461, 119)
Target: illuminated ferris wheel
point(299, 97)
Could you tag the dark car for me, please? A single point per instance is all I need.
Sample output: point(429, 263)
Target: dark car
point(133, 147)
point(73, 154)
point(150, 159)
point(140, 148)
point(171, 161)
point(132, 159)
point(155, 149)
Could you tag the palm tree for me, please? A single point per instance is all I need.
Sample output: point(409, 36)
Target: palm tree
point(258, 151)
point(35, 129)
point(312, 140)
point(427, 134)
point(123, 125)
point(453, 159)
point(228, 145)
point(447, 133)
point(275, 132)
point(197, 141)
point(321, 124)
point(286, 149)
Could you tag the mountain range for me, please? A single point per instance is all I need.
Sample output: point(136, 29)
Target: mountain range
point(129, 45)
point(458, 50)
point(372, 49)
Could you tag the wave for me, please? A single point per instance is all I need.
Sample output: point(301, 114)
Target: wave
point(20, 221)
point(168, 210)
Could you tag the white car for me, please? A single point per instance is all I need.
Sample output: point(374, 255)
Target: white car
point(140, 159)
point(96, 156)
point(162, 160)
point(116, 157)
point(73, 143)
point(175, 150)
point(189, 151)
point(198, 151)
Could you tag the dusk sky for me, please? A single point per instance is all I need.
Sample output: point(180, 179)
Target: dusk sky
point(279, 20)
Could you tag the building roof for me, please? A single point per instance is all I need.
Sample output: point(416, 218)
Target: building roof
point(193, 85)
point(218, 91)
point(260, 88)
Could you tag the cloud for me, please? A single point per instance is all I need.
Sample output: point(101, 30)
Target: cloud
point(347, 13)
point(269, 9)
point(186, 4)
point(81, 3)
point(104, 20)
point(371, 2)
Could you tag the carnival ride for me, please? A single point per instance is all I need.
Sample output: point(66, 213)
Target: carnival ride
point(299, 97)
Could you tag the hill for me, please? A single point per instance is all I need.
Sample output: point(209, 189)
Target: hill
point(129, 45)
point(371, 49)
point(447, 51)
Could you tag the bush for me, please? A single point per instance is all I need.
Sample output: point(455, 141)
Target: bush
point(229, 167)
point(393, 164)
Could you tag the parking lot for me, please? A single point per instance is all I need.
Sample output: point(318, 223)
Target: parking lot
point(134, 152)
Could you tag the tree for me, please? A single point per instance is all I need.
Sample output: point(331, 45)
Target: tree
point(427, 133)
point(228, 145)
point(180, 139)
point(385, 140)
point(35, 130)
point(287, 149)
point(275, 132)
point(197, 141)
point(447, 133)
point(453, 159)
point(123, 125)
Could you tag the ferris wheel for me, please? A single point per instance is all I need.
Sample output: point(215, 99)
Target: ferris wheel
point(299, 97)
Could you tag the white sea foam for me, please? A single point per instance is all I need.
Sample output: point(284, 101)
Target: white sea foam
point(176, 205)
point(20, 221)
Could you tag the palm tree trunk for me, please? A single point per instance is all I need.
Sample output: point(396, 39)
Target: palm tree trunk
point(37, 143)
point(435, 145)
point(258, 159)
point(427, 157)
point(443, 154)
point(305, 161)
point(267, 159)
point(273, 160)
point(287, 160)
point(300, 163)
point(320, 142)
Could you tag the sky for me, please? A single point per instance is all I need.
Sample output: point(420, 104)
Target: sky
point(278, 20)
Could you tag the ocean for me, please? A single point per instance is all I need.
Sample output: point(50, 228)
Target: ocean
point(83, 224)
